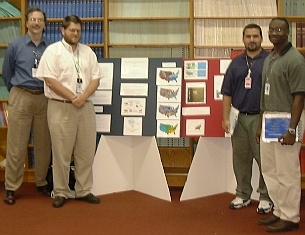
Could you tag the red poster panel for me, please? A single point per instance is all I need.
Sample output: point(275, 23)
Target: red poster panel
point(201, 101)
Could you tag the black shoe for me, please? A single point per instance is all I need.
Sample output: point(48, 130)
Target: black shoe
point(59, 201)
point(90, 198)
point(9, 197)
point(268, 220)
point(44, 190)
point(282, 226)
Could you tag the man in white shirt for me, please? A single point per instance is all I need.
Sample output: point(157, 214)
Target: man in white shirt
point(71, 74)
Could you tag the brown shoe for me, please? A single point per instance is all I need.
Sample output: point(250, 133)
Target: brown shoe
point(44, 190)
point(282, 226)
point(90, 198)
point(268, 220)
point(9, 197)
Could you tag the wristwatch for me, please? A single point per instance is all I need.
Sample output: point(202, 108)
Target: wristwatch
point(291, 131)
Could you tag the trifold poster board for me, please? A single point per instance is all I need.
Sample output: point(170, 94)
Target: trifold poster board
point(128, 162)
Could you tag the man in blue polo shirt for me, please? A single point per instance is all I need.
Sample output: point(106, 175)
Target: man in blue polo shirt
point(241, 88)
point(27, 106)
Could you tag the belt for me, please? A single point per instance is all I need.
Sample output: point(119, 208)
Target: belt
point(33, 92)
point(250, 113)
point(63, 101)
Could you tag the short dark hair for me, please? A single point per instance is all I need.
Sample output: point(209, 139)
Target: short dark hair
point(253, 26)
point(71, 19)
point(32, 9)
point(282, 19)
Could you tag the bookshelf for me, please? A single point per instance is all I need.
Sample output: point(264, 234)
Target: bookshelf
point(294, 12)
point(138, 28)
point(90, 11)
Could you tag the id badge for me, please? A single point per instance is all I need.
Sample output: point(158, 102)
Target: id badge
point(267, 88)
point(248, 82)
point(34, 71)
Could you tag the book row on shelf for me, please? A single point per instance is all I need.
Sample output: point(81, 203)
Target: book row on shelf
point(235, 8)
point(8, 10)
point(298, 34)
point(92, 32)
point(138, 32)
point(62, 8)
point(9, 31)
point(226, 32)
point(137, 8)
point(293, 7)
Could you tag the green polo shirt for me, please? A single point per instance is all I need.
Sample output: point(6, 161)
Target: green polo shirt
point(285, 73)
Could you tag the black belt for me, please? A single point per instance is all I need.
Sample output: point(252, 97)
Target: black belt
point(250, 113)
point(33, 92)
point(63, 101)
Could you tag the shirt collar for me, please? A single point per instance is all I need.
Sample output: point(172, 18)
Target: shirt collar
point(257, 56)
point(28, 39)
point(285, 49)
point(67, 45)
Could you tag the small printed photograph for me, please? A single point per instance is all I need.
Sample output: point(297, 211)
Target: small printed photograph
point(195, 93)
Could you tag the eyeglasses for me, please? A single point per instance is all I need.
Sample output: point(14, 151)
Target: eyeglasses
point(275, 30)
point(36, 19)
point(78, 31)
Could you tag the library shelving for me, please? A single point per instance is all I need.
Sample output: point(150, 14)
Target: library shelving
point(294, 12)
point(139, 28)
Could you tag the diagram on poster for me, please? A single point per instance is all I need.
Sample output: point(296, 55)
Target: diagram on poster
point(133, 107)
point(196, 69)
point(132, 126)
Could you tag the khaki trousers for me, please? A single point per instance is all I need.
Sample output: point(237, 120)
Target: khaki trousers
point(25, 112)
point(282, 174)
point(73, 131)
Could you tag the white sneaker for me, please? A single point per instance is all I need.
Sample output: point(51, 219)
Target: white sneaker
point(238, 203)
point(264, 207)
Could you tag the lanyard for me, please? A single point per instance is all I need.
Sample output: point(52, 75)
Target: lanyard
point(79, 81)
point(76, 64)
point(248, 65)
point(36, 60)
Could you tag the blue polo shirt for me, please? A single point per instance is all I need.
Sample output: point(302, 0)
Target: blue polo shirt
point(19, 60)
point(245, 100)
